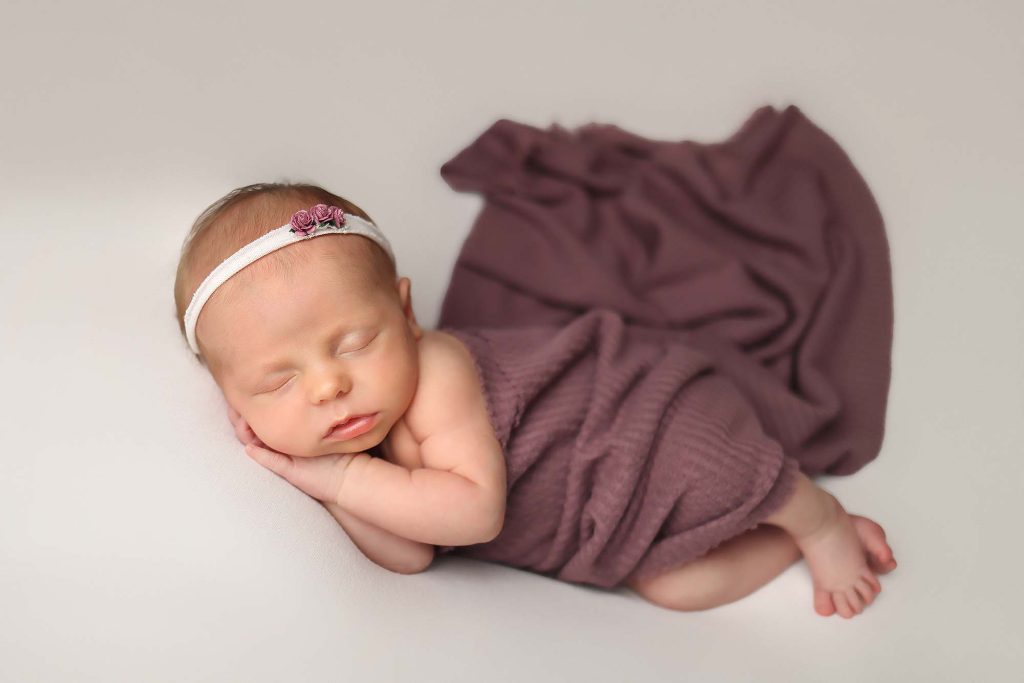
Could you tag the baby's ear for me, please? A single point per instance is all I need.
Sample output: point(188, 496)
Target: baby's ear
point(405, 296)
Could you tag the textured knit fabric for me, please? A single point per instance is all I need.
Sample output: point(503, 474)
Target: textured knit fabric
point(665, 332)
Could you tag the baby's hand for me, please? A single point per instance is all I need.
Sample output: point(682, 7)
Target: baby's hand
point(319, 476)
point(242, 429)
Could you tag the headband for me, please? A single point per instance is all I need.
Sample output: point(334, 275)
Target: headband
point(318, 220)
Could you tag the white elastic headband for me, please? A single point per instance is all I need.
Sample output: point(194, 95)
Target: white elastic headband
point(318, 220)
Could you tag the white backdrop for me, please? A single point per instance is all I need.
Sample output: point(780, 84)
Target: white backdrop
point(139, 543)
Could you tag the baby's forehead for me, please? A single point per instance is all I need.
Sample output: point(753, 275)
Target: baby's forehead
point(330, 259)
point(319, 296)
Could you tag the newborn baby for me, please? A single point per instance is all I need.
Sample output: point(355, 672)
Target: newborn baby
point(312, 339)
point(309, 338)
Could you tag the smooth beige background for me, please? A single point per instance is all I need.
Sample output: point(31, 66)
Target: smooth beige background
point(138, 543)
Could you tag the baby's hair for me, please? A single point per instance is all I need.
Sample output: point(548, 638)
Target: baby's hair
point(248, 212)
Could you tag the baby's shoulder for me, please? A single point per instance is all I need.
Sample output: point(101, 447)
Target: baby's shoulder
point(449, 394)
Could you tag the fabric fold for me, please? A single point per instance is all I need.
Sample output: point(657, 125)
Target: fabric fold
point(666, 332)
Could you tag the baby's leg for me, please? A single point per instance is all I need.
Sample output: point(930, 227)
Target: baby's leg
point(843, 551)
point(731, 571)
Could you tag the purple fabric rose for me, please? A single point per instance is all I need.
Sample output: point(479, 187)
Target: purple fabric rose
point(322, 213)
point(339, 216)
point(303, 222)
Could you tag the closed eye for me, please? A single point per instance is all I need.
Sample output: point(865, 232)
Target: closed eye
point(270, 391)
point(361, 347)
point(343, 353)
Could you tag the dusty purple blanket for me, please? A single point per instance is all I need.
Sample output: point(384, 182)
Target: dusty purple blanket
point(665, 332)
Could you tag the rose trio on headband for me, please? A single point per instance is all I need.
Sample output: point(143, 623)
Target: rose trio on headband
point(305, 222)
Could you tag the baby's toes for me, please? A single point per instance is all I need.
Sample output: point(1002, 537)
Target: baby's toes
point(823, 603)
point(881, 561)
point(872, 536)
point(866, 592)
point(872, 581)
point(856, 602)
point(842, 604)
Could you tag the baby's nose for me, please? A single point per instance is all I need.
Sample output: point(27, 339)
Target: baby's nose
point(328, 384)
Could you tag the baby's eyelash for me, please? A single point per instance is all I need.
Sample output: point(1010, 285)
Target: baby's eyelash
point(272, 390)
point(368, 342)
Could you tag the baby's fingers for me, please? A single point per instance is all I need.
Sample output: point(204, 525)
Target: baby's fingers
point(243, 431)
point(247, 436)
point(319, 477)
point(278, 463)
point(234, 416)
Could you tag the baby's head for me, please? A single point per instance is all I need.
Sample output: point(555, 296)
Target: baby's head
point(313, 332)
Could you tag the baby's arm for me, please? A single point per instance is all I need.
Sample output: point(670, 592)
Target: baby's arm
point(438, 507)
point(458, 497)
point(426, 505)
point(383, 547)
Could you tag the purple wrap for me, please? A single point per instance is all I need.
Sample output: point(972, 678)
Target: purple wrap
point(666, 332)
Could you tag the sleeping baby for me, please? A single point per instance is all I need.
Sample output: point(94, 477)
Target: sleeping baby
point(331, 384)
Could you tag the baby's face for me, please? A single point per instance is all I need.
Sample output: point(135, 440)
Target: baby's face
point(297, 353)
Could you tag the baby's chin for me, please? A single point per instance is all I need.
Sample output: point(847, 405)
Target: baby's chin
point(358, 445)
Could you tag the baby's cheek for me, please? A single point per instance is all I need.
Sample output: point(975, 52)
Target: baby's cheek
point(272, 436)
point(268, 430)
point(278, 434)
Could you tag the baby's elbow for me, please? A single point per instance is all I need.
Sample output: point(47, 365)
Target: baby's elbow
point(419, 562)
point(491, 535)
point(495, 514)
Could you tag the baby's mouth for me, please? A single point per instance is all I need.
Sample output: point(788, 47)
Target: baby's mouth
point(346, 422)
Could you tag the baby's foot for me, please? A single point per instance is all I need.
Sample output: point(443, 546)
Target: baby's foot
point(843, 555)
point(880, 557)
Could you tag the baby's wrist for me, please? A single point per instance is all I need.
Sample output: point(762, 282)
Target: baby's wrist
point(343, 464)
